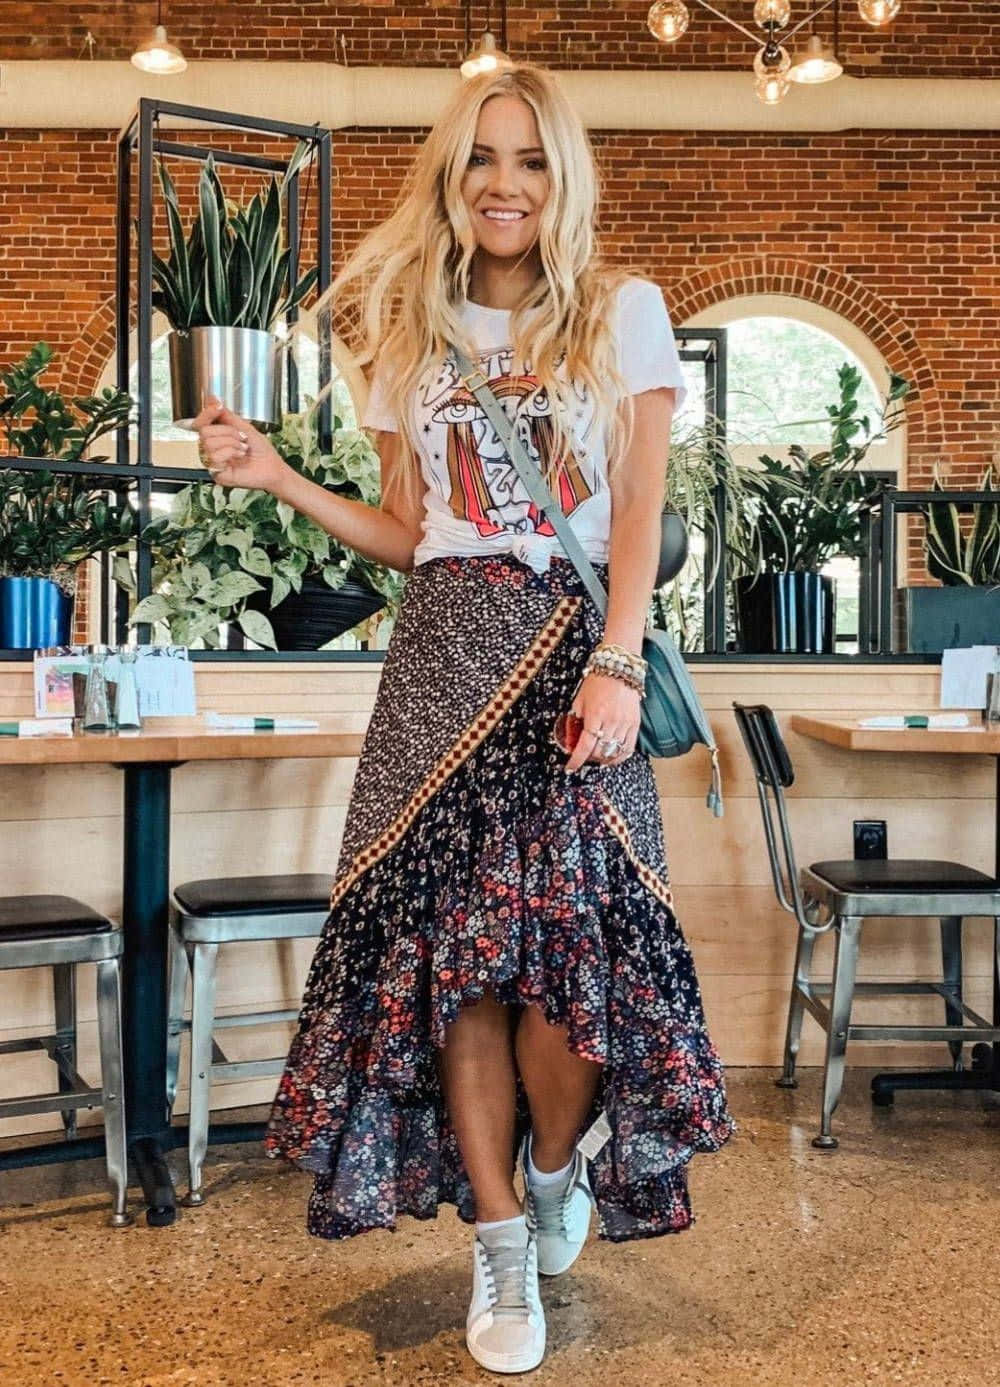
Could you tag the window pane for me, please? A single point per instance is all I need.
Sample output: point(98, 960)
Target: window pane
point(782, 371)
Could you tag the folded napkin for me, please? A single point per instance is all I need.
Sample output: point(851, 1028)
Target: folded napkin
point(37, 727)
point(916, 720)
point(249, 723)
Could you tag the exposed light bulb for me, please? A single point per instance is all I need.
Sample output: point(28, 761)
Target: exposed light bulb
point(158, 55)
point(878, 12)
point(772, 12)
point(668, 20)
point(772, 88)
point(816, 63)
point(772, 60)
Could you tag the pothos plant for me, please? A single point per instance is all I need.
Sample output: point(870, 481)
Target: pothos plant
point(218, 547)
point(52, 521)
point(797, 515)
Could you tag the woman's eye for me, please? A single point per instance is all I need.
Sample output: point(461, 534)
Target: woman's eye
point(473, 158)
point(538, 164)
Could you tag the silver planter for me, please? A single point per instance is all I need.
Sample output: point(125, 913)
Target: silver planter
point(242, 366)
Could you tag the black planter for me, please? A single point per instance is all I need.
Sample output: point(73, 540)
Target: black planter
point(785, 614)
point(308, 619)
point(673, 547)
point(945, 618)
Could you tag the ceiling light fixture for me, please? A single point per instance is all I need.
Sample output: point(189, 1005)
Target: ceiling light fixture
point(158, 55)
point(486, 56)
point(774, 68)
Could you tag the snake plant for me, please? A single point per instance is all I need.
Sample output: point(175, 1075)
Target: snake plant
point(233, 269)
point(969, 556)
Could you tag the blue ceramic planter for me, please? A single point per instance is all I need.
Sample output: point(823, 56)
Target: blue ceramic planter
point(34, 613)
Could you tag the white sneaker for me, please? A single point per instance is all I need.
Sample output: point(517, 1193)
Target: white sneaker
point(558, 1216)
point(505, 1326)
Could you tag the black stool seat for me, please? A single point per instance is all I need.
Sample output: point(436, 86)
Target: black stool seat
point(47, 917)
point(902, 874)
point(254, 895)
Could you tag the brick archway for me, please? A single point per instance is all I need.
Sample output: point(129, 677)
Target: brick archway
point(847, 297)
point(88, 356)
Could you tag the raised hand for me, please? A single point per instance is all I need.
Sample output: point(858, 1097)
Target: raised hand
point(234, 452)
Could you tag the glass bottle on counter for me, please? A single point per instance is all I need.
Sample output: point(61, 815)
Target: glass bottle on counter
point(127, 713)
point(96, 710)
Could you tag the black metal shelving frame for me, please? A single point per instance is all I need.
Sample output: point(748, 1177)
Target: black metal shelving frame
point(140, 142)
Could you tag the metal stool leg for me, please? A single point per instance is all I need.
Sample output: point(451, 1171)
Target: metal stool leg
point(796, 1008)
point(178, 970)
point(64, 989)
point(842, 994)
point(109, 1027)
point(202, 1020)
point(951, 967)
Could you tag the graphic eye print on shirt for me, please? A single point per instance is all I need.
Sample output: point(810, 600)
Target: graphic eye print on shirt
point(483, 486)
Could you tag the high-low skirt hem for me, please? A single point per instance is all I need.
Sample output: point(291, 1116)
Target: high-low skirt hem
point(472, 862)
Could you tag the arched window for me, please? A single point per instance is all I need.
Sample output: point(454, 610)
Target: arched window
point(783, 355)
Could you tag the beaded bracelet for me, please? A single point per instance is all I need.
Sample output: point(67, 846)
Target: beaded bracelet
point(633, 680)
point(617, 657)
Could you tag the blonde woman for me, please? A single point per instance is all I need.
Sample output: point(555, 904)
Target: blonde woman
point(501, 976)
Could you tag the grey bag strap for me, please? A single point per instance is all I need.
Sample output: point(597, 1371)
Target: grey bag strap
point(532, 478)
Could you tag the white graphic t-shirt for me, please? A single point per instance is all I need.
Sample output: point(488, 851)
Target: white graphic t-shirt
point(475, 502)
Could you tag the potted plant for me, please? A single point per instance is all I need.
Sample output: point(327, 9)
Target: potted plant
point(699, 465)
point(246, 558)
point(51, 521)
point(794, 518)
point(222, 290)
point(965, 610)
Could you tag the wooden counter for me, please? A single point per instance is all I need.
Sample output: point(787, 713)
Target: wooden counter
point(60, 830)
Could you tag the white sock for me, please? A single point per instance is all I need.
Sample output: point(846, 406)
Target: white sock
point(509, 1232)
point(546, 1179)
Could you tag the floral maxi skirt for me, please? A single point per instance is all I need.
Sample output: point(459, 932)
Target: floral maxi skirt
point(471, 861)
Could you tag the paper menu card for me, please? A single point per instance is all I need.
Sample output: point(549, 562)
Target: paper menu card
point(964, 675)
point(164, 677)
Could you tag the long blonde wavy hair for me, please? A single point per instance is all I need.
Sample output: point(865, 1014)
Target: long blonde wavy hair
point(397, 299)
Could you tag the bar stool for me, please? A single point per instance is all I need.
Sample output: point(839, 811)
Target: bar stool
point(837, 897)
point(58, 932)
point(205, 914)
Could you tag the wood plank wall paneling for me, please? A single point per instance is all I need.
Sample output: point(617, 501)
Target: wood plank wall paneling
point(61, 830)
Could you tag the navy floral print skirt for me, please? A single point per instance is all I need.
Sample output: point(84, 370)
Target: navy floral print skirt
point(471, 861)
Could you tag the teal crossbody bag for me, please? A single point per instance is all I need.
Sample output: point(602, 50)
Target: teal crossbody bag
point(672, 719)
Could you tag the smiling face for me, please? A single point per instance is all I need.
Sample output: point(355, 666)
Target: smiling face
point(506, 184)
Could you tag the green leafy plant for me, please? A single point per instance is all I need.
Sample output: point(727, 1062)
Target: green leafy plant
point(964, 556)
point(218, 548)
point(795, 516)
point(233, 269)
point(51, 521)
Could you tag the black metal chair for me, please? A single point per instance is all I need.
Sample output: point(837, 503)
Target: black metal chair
point(58, 932)
point(838, 896)
point(204, 915)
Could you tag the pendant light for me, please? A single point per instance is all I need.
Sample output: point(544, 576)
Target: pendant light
point(486, 56)
point(774, 71)
point(815, 63)
point(158, 55)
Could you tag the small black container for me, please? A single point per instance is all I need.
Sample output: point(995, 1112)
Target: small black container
point(308, 619)
point(785, 614)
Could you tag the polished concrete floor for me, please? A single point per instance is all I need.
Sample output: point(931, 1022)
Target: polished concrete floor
point(877, 1264)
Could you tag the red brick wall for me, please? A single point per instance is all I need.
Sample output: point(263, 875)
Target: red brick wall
point(929, 37)
point(896, 231)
